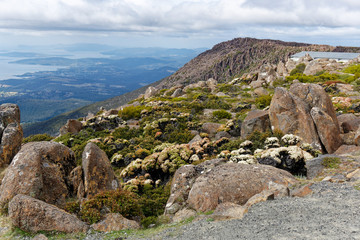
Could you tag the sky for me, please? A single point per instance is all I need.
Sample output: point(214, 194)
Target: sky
point(176, 23)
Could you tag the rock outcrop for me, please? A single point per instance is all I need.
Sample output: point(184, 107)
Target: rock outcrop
point(11, 132)
point(40, 170)
point(98, 174)
point(33, 215)
point(302, 111)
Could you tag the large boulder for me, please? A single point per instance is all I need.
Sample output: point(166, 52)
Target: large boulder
point(235, 183)
point(33, 215)
point(301, 111)
point(98, 173)
point(205, 188)
point(256, 120)
point(183, 180)
point(11, 132)
point(41, 170)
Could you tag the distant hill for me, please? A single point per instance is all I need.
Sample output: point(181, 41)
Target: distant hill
point(241, 55)
point(224, 61)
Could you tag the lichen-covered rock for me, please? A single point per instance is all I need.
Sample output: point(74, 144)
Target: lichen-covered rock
point(41, 170)
point(290, 158)
point(256, 120)
point(33, 215)
point(290, 114)
point(115, 222)
point(11, 132)
point(98, 174)
point(235, 183)
point(182, 182)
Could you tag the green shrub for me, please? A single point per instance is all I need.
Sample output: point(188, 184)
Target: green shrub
point(37, 138)
point(232, 145)
point(153, 200)
point(127, 133)
point(299, 69)
point(353, 69)
point(146, 222)
point(221, 114)
point(72, 207)
point(131, 112)
point(177, 133)
point(258, 139)
point(117, 201)
point(229, 88)
point(263, 101)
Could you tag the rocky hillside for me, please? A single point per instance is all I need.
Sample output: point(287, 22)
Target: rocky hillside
point(223, 62)
point(203, 150)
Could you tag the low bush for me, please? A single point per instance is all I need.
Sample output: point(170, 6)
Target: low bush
point(131, 112)
point(118, 201)
point(37, 138)
point(299, 69)
point(263, 101)
point(221, 114)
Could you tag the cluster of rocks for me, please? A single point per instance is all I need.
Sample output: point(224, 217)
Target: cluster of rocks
point(268, 73)
point(304, 110)
point(43, 174)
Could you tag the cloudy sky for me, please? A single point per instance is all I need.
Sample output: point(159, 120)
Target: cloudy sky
point(176, 23)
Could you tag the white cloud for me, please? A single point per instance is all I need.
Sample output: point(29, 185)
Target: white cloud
point(174, 17)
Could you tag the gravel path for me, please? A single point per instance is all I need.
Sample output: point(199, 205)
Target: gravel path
point(332, 212)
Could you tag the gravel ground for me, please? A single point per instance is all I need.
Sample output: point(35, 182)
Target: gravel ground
point(332, 212)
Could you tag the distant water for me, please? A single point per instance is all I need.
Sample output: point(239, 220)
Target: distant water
point(10, 70)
